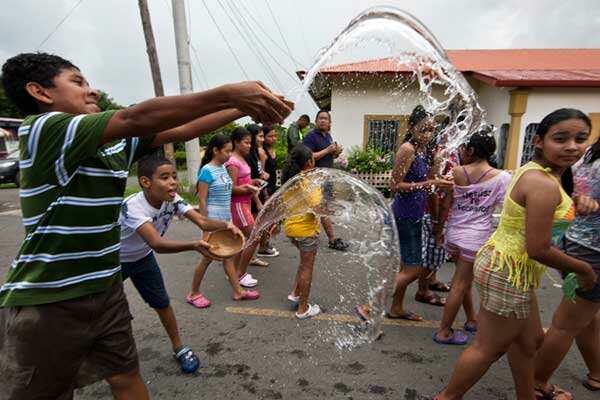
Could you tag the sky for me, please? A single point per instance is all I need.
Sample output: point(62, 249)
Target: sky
point(104, 38)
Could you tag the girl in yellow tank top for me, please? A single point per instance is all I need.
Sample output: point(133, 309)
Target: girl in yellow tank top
point(537, 212)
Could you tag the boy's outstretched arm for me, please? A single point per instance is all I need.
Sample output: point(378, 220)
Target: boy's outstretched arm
point(163, 113)
point(197, 127)
point(162, 245)
point(209, 224)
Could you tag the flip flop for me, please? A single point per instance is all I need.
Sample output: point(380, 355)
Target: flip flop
point(293, 299)
point(541, 394)
point(257, 262)
point(588, 386)
point(470, 328)
point(362, 313)
point(433, 300)
point(457, 338)
point(439, 286)
point(409, 316)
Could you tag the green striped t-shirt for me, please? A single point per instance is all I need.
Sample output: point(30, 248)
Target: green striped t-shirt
point(71, 193)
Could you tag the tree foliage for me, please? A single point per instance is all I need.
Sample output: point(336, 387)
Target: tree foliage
point(105, 102)
point(7, 108)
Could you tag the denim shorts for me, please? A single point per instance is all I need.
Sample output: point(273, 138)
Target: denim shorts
point(592, 257)
point(411, 243)
point(147, 279)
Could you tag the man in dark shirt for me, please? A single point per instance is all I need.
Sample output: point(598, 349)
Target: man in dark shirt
point(325, 150)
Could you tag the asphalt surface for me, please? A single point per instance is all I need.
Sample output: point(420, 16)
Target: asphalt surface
point(247, 354)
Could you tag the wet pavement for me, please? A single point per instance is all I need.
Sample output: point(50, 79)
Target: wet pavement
point(257, 350)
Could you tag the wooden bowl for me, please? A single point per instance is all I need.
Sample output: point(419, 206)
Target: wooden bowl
point(225, 243)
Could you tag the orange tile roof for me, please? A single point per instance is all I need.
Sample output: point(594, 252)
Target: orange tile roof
point(512, 67)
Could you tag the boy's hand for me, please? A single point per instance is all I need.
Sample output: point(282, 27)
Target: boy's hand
point(202, 246)
point(235, 230)
point(587, 279)
point(257, 101)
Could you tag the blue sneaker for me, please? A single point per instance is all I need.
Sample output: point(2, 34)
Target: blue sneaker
point(188, 360)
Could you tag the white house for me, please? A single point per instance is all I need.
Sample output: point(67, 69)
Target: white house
point(516, 88)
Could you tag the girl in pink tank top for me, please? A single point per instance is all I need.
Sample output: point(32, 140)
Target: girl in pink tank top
point(478, 189)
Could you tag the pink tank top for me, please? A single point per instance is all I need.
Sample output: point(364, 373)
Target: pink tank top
point(242, 179)
point(470, 221)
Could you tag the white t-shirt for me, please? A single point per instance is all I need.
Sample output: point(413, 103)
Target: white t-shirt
point(136, 211)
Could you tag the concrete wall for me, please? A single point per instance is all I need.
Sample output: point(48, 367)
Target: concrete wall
point(542, 101)
point(353, 99)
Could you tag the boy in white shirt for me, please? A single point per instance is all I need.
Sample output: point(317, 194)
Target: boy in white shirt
point(145, 218)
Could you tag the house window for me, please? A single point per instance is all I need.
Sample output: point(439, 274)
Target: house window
point(502, 143)
point(528, 147)
point(384, 131)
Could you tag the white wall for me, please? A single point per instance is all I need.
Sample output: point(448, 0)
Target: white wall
point(350, 102)
point(494, 100)
point(542, 101)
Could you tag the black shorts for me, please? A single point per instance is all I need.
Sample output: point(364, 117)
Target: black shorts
point(148, 280)
point(592, 257)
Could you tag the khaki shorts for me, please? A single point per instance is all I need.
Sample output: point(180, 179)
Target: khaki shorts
point(306, 243)
point(496, 292)
point(48, 350)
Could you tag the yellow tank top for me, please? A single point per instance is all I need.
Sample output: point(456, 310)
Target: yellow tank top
point(508, 243)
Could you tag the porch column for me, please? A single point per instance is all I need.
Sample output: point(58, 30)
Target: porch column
point(595, 117)
point(516, 109)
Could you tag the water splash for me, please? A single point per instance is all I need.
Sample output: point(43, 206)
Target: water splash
point(364, 273)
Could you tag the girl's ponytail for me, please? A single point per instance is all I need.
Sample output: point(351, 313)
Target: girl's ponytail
point(298, 158)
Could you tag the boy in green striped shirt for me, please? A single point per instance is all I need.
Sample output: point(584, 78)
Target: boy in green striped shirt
point(64, 319)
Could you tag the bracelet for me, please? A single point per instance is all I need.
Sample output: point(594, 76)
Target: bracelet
point(435, 221)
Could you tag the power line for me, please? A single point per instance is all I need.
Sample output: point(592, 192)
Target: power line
point(225, 40)
point(275, 60)
point(252, 46)
point(59, 24)
point(279, 28)
point(257, 23)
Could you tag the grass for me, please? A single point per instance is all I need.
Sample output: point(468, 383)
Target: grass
point(8, 186)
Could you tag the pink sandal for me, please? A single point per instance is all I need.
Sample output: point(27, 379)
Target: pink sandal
point(198, 301)
point(249, 295)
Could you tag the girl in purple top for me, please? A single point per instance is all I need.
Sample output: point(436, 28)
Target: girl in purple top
point(410, 181)
point(478, 189)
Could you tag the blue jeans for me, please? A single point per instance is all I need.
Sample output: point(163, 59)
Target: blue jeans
point(411, 242)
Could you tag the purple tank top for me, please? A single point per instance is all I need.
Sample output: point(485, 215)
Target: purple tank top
point(412, 204)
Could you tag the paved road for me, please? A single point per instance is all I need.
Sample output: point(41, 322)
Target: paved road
point(249, 355)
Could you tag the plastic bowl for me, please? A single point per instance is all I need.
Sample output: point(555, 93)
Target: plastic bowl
point(225, 243)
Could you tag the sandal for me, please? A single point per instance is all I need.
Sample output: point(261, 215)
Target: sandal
point(432, 300)
point(338, 244)
point(363, 312)
point(439, 286)
point(409, 316)
point(472, 328)
point(258, 262)
point(248, 295)
point(198, 301)
point(553, 393)
point(313, 309)
point(457, 337)
point(586, 383)
point(188, 360)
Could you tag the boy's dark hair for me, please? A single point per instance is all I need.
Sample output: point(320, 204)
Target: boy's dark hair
point(320, 112)
point(21, 69)
point(149, 164)
point(297, 159)
point(305, 117)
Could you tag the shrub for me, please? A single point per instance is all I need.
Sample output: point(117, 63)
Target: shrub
point(371, 159)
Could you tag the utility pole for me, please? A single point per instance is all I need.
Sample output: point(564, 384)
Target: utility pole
point(154, 65)
point(192, 147)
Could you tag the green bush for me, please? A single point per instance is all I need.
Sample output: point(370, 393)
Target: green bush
point(180, 159)
point(371, 159)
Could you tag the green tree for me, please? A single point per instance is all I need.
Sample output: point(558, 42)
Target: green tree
point(105, 102)
point(7, 108)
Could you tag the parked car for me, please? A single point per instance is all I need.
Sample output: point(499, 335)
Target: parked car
point(9, 169)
